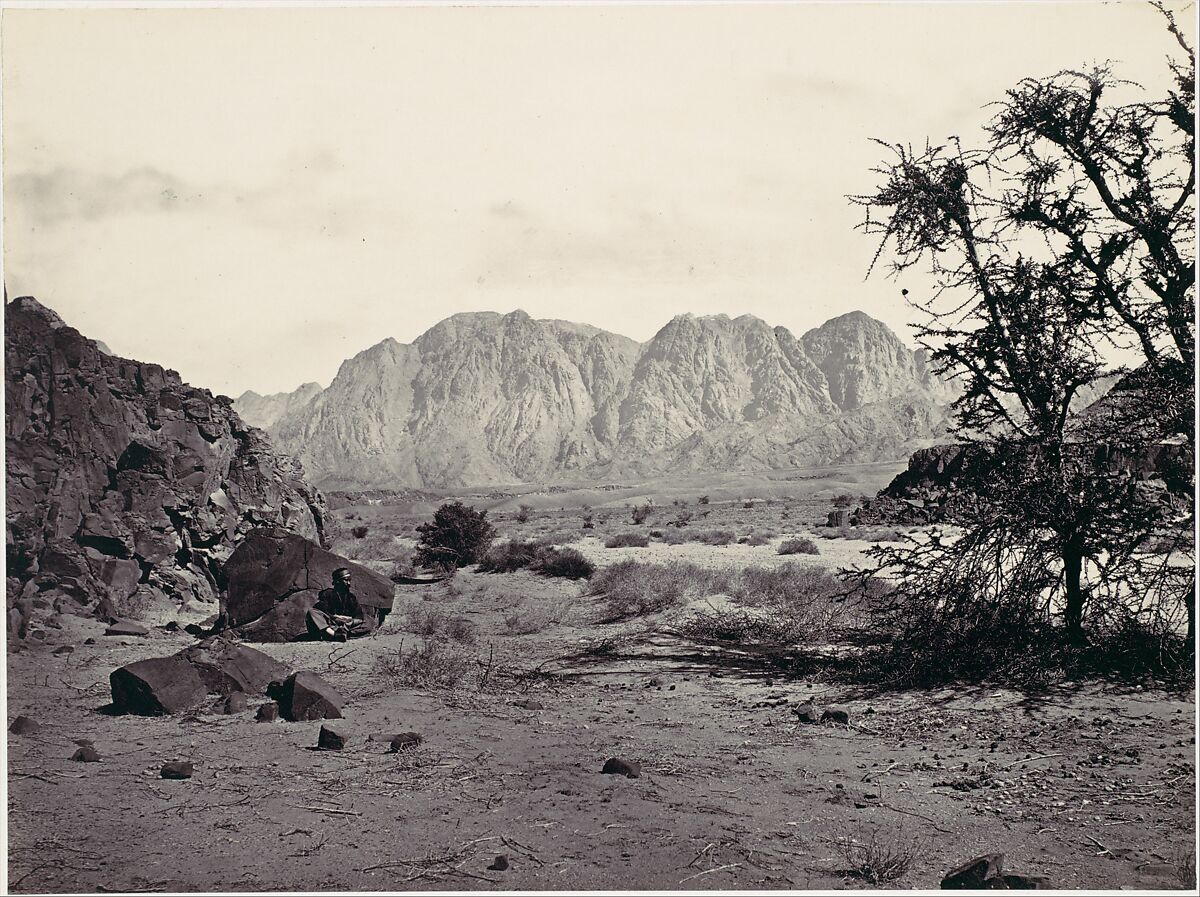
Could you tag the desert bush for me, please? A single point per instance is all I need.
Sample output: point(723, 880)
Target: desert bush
point(627, 540)
point(674, 537)
point(799, 546)
point(523, 513)
point(588, 516)
point(757, 539)
point(432, 621)
point(844, 500)
point(639, 514)
point(703, 500)
point(432, 665)
point(360, 532)
point(713, 537)
point(682, 518)
point(879, 859)
point(748, 504)
point(507, 557)
point(566, 563)
point(458, 535)
point(633, 589)
point(728, 626)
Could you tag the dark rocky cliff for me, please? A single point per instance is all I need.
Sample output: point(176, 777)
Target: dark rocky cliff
point(127, 488)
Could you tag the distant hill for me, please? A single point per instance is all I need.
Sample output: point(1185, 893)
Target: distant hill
point(485, 398)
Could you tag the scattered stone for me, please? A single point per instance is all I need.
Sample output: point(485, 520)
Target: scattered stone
point(64, 649)
point(23, 725)
point(235, 703)
point(974, 874)
point(614, 766)
point(156, 686)
point(172, 626)
point(126, 627)
point(306, 696)
point(89, 641)
point(404, 741)
point(836, 715)
point(528, 704)
point(177, 769)
point(807, 713)
point(267, 713)
point(499, 864)
point(86, 754)
point(331, 739)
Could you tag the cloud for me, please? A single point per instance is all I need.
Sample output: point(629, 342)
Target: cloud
point(72, 194)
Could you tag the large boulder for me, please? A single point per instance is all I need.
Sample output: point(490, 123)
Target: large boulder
point(157, 686)
point(274, 577)
point(227, 667)
point(183, 680)
point(306, 696)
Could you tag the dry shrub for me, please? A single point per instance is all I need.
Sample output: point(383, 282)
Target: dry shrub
point(432, 665)
point(879, 859)
point(713, 537)
point(432, 621)
point(634, 589)
point(759, 538)
point(528, 619)
point(628, 540)
point(538, 557)
point(799, 546)
point(674, 537)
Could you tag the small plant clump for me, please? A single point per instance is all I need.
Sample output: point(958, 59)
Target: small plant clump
point(799, 546)
point(639, 514)
point(879, 860)
point(360, 532)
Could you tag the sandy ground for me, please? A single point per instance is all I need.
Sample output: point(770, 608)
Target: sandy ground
point(1092, 786)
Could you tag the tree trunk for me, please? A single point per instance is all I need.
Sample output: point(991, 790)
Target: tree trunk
point(1190, 604)
point(1072, 556)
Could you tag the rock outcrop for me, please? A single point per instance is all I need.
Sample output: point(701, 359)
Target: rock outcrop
point(274, 578)
point(127, 488)
point(488, 398)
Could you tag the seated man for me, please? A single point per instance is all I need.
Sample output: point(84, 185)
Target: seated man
point(337, 615)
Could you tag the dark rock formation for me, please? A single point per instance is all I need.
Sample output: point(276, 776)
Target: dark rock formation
point(156, 686)
point(184, 680)
point(176, 769)
point(615, 766)
point(306, 696)
point(123, 482)
point(943, 481)
point(274, 578)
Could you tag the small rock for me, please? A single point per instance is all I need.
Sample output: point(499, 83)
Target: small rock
point(306, 696)
point(807, 713)
point(836, 715)
point(404, 741)
point(267, 713)
point(331, 739)
point(177, 769)
point(126, 627)
point(89, 641)
point(64, 649)
point(614, 766)
point(23, 725)
point(86, 754)
point(235, 703)
point(499, 864)
point(172, 626)
point(528, 704)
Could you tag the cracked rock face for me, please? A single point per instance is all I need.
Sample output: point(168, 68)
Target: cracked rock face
point(126, 485)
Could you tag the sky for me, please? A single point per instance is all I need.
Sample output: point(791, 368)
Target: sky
point(251, 196)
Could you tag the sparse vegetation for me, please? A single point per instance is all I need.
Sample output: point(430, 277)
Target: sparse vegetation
point(798, 546)
point(523, 513)
point(757, 539)
point(878, 859)
point(845, 500)
point(528, 619)
point(360, 531)
point(639, 514)
point(713, 537)
point(634, 589)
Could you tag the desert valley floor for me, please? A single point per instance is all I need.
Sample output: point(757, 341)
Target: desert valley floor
point(520, 695)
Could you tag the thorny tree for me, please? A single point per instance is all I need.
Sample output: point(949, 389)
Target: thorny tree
point(1064, 241)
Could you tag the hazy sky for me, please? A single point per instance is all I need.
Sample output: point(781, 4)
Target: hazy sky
point(252, 196)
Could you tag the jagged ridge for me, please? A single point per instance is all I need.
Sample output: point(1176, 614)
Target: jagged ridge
point(486, 398)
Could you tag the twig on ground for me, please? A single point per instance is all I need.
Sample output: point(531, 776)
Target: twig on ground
point(1030, 760)
point(711, 871)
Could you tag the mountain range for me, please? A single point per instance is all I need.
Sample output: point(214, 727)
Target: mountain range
point(484, 398)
